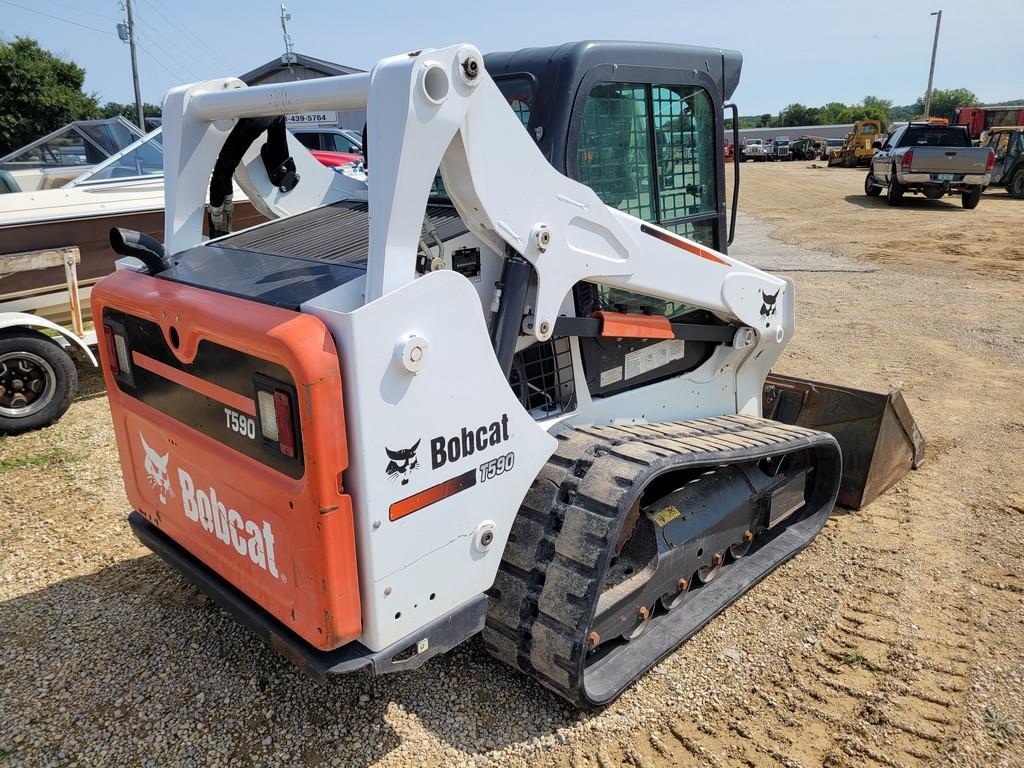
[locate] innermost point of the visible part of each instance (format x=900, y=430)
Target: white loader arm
x=426, y=112
x=440, y=108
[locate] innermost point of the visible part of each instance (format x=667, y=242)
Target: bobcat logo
x=156, y=468
x=768, y=307
x=401, y=463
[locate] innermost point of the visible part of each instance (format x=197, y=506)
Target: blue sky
x=805, y=51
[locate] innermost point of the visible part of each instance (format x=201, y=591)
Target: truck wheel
x=38, y=380
x=972, y=198
x=870, y=188
x=894, y=194
x=1016, y=185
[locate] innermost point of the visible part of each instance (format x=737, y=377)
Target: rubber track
x=542, y=598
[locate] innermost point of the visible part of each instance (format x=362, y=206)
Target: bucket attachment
x=879, y=439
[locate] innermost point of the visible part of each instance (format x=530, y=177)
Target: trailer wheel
x=38, y=380
x=1016, y=185
x=894, y=195
x=971, y=199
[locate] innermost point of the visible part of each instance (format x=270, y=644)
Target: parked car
x=328, y=139
x=335, y=159
x=932, y=160
x=1008, y=145
x=754, y=149
x=355, y=136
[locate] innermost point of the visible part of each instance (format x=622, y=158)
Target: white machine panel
x=433, y=429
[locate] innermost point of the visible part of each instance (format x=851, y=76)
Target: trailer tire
x=870, y=188
x=1016, y=185
x=971, y=199
x=894, y=194
x=38, y=380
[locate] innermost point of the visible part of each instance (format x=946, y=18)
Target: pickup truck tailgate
x=956, y=160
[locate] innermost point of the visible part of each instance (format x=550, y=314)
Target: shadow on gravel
x=911, y=202
x=135, y=661
x=90, y=380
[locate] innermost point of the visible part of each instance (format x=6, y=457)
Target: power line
x=148, y=34
x=168, y=16
x=83, y=12
x=188, y=31
x=176, y=75
x=58, y=18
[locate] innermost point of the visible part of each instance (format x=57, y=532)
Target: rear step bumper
x=440, y=636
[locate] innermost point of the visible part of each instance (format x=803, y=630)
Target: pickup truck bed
x=933, y=160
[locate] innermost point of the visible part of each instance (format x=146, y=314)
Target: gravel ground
x=895, y=639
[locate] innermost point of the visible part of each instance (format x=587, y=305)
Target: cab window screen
x=684, y=123
x=613, y=153
x=518, y=92
x=649, y=150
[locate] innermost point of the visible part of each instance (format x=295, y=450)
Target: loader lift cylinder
x=507, y=325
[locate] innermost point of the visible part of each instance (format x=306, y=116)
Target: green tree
x=39, y=92
x=798, y=114
x=766, y=120
x=113, y=109
x=903, y=112
x=874, y=102
x=832, y=113
x=945, y=102
x=872, y=108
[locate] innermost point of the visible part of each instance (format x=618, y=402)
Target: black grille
x=339, y=232
x=542, y=378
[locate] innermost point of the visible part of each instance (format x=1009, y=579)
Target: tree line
x=944, y=104
x=40, y=92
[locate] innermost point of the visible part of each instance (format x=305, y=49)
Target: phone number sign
x=313, y=118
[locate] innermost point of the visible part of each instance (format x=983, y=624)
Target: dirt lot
x=895, y=639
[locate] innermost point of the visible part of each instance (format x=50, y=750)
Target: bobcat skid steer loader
x=528, y=401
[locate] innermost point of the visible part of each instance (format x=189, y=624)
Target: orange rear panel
x=278, y=528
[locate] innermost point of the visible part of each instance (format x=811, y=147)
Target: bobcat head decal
x=156, y=468
x=768, y=307
x=402, y=462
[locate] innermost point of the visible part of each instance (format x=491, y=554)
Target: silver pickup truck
x=930, y=159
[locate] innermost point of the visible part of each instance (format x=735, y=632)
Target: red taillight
x=990, y=164
x=108, y=337
x=908, y=158
x=285, y=431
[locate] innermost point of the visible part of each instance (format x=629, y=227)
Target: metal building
x=298, y=66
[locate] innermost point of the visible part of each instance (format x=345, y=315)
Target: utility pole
x=127, y=34
x=931, y=71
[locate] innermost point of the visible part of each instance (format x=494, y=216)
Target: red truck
x=978, y=119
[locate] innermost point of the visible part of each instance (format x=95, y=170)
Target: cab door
x=880, y=162
x=649, y=141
